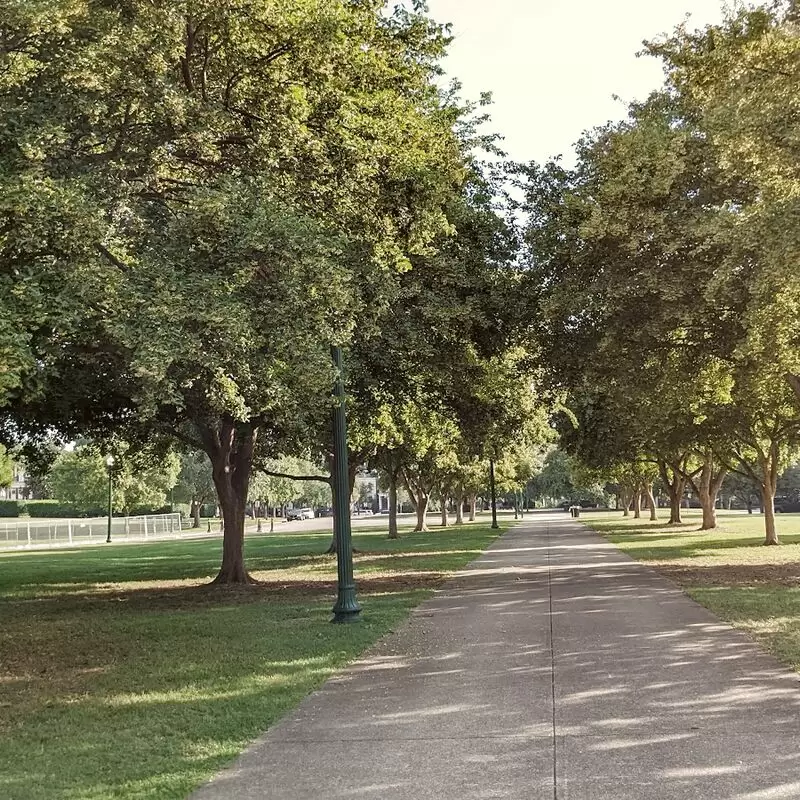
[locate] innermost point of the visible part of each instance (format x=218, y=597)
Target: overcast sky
x=553, y=66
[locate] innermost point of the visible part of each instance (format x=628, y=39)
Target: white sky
x=554, y=65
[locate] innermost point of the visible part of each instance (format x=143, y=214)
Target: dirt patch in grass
x=193, y=594
x=786, y=574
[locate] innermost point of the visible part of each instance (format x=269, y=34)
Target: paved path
x=555, y=667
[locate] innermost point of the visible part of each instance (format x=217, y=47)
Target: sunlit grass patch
x=737, y=539
x=123, y=675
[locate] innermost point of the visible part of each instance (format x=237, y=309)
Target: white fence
x=16, y=533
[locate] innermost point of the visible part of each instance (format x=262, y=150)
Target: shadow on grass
x=122, y=675
x=199, y=559
x=112, y=698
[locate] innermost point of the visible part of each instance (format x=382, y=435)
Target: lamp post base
x=347, y=609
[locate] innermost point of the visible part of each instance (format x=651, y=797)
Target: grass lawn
x=122, y=675
x=728, y=570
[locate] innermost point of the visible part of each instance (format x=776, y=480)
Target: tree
x=426, y=455
x=766, y=433
x=454, y=309
x=554, y=480
x=626, y=251
x=789, y=480
x=140, y=481
x=742, y=76
x=315, y=494
x=213, y=198
x=195, y=484
x=742, y=489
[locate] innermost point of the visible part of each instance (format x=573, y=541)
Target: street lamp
x=347, y=608
x=110, y=465
x=495, y=526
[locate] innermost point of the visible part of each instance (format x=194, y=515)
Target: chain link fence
x=17, y=533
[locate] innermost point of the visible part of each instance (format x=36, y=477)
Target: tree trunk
x=794, y=382
x=769, y=484
x=196, y=513
x=473, y=501
x=393, y=504
x=460, y=507
x=651, y=501
x=676, y=490
x=422, y=500
x=675, y=487
x=637, y=503
x=707, y=490
x=230, y=449
x=709, y=511
x=443, y=498
x=626, y=502
x=768, y=501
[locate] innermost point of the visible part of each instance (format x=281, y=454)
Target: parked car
x=787, y=505
x=300, y=513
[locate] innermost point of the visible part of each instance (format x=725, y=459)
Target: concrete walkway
x=555, y=667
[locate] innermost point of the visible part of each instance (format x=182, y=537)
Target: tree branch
x=320, y=478
x=186, y=71
x=771, y=71
x=195, y=444
x=794, y=382
x=104, y=251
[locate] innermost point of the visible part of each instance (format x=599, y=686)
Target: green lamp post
x=495, y=526
x=110, y=465
x=347, y=608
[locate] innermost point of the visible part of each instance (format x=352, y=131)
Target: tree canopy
x=197, y=209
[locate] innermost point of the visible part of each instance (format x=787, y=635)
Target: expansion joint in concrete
x=552, y=668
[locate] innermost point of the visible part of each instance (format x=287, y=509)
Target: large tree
x=204, y=197
x=625, y=258
x=741, y=76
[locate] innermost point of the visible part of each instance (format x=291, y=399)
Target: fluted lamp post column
x=495, y=526
x=347, y=608
x=110, y=465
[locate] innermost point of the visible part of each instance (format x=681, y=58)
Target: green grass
x=122, y=675
x=737, y=539
x=728, y=570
